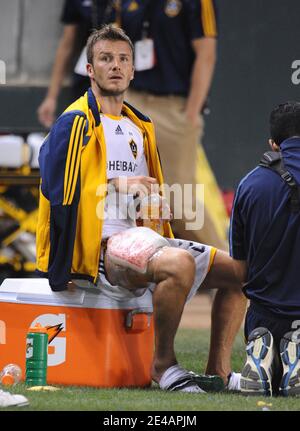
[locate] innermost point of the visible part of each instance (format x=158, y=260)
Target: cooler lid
x=38, y=291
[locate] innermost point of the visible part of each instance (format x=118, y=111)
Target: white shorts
x=202, y=253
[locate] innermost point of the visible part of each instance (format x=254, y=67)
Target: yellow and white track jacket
x=73, y=190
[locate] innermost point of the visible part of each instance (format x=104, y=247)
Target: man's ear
x=132, y=74
x=90, y=70
x=273, y=145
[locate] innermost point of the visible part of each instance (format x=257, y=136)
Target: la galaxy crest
x=172, y=8
x=133, y=148
x=133, y=6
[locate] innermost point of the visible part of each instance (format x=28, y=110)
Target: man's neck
x=111, y=105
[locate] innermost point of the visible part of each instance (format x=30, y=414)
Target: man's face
x=112, y=68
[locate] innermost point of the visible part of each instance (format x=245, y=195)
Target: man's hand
x=137, y=186
x=154, y=207
x=46, y=112
x=192, y=116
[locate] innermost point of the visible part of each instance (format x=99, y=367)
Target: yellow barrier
x=213, y=199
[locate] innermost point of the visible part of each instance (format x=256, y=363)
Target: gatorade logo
x=2, y=332
x=55, y=323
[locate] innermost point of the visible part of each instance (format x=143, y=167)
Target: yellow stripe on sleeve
x=72, y=156
x=70, y=149
x=77, y=163
x=208, y=18
x=73, y=160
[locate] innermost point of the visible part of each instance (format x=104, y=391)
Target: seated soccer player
x=100, y=156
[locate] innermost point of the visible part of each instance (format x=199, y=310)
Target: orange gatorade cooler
x=93, y=340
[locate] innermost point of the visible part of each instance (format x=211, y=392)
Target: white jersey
x=125, y=158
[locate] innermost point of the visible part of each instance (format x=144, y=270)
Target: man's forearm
x=140, y=185
x=62, y=60
x=202, y=75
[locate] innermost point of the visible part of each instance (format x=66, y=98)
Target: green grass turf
x=192, y=351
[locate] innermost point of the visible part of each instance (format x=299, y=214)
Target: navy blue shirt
x=88, y=14
x=76, y=11
x=266, y=234
x=91, y=13
x=174, y=24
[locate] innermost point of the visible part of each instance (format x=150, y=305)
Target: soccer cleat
x=290, y=357
x=209, y=383
x=176, y=378
x=10, y=400
x=257, y=373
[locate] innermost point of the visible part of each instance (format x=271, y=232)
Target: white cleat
x=9, y=400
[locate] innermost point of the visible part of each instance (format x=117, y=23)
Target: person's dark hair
x=107, y=32
x=285, y=121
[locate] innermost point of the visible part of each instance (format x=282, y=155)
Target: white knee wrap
x=134, y=247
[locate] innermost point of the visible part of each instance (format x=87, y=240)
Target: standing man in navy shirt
x=265, y=244
x=175, y=55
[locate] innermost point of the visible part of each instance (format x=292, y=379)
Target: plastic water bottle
x=36, y=356
x=151, y=213
x=10, y=375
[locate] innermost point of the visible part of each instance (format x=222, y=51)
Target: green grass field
x=192, y=349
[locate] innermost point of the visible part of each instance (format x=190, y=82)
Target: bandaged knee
x=134, y=248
